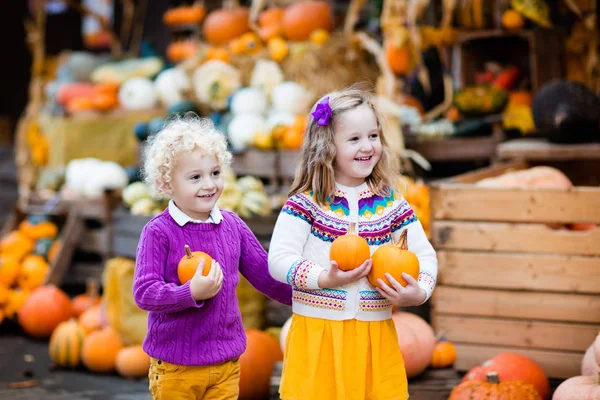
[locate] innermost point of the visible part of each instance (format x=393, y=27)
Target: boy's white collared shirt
x=182, y=218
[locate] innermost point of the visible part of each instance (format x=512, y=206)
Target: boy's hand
x=205, y=287
x=402, y=296
x=335, y=277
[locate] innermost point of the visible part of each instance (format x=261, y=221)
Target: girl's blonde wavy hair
x=182, y=134
x=316, y=169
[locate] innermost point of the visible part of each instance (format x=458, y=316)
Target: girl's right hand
x=205, y=287
x=335, y=277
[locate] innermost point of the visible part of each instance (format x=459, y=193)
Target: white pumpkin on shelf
x=138, y=94
x=249, y=101
x=291, y=97
x=255, y=203
x=172, y=85
x=279, y=118
x=214, y=81
x=250, y=184
x=230, y=197
x=266, y=75
x=242, y=128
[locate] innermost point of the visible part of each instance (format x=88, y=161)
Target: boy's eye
x=374, y=135
x=194, y=177
x=216, y=173
x=354, y=139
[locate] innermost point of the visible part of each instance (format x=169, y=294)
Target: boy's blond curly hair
x=181, y=135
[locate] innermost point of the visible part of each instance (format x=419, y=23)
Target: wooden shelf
x=465, y=36
x=542, y=150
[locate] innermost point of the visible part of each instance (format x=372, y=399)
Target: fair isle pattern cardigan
x=299, y=250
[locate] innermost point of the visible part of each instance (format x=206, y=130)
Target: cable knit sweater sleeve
x=150, y=291
x=286, y=263
x=254, y=267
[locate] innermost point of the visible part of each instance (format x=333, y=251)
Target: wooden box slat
x=514, y=237
x=517, y=304
x=517, y=333
x=537, y=272
x=556, y=364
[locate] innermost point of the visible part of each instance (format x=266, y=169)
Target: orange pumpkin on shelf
x=85, y=301
x=218, y=53
x=80, y=104
x=43, y=310
x=492, y=388
x=221, y=26
x=16, y=245
x=303, y=18
x=105, y=101
x=394, y=259
x=132, y=362
x=184, y=15
x=256, y=364
x=9, y=270
x=181, y=50
x=34, y=270
x=444, y=354
x=100, y=350
x=510, y=366
x=349, y=250
x=270, y=23
x=399, y=58
x=38, y=227
x=16, y=300
x=189, y=263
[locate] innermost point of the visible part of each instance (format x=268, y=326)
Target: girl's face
x=358, y=145
x=196, y=184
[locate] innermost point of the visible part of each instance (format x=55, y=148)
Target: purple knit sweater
x=180, y=329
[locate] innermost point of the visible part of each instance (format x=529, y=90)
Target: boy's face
x=196, y=184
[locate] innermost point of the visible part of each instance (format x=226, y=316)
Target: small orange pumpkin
x=16, y=299
x=132, y=362
x=105, y=101
x=9, y=270
x=43, y=310
x=444, y=354
x=181, y=50
x=91, y=319
x=278, y=49
x=218, y=53
x=349, y=250
x=270, y=23
x=399, y=59
x=100, y=349
x=16, y=244
x=80, y=104
x=303, y=18
x=38, y=227
x=184, y=15
x=494, y=389
x=85, y=301
x=189, y=263
x=394, y=259
x=34, y=270
x=222, y=26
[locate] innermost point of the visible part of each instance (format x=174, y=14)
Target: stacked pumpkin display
x=84, y=338
x=25, y=257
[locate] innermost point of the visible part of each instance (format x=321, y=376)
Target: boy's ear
x=166, y=187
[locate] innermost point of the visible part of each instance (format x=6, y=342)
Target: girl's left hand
x=402, y=296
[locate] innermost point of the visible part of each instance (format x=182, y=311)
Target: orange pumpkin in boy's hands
x=394, y=259
x=189, y=263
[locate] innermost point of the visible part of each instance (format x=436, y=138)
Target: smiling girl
x=195, y=332
x=342, y=342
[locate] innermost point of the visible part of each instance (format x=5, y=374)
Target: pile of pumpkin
x=26, y=254
x=417, y=195
x=229, y=32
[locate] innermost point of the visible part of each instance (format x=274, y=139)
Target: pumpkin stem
x=92, y=290
x=188, y=252
x=403, y=240
x=351, y=229
x=492, y=377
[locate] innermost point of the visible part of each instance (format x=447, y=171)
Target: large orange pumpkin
x=66, y=343
x=416, y=341
x=100, y=349
x=256, y=364
x=303, y=18
x=349, y=250
x=222, y=25
x=511, y=366
x=132, y=362
x=43, y=310
x=394, y=259
x=189, y=263
x=492, y=388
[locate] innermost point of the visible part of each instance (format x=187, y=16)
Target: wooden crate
x=509, y=282
x=70, y=228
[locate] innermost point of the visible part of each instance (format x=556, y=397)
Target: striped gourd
x=66, y=343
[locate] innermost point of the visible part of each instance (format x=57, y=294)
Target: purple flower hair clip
x=322, y=113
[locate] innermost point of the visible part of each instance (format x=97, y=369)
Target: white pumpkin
x=266, y=75
x=249, y=101
x=291, y=97
x=89, y=177
x=250, y=184
x=214, y=81
x=171, y=86
x=230, y=197
x=242, y=128
x=138, y=94
x=255, y=204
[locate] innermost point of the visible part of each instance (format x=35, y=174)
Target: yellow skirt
x=342, y=360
